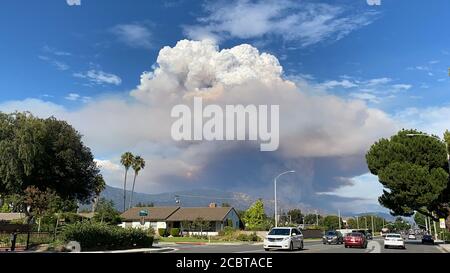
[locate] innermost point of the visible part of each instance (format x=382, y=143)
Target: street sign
x=442, y=223
x=143, y=213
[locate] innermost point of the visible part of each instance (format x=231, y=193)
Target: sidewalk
x=138, y=250
x=445, y=247
x=206, y=243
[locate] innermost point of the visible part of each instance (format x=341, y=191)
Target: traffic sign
x=143, y=213
x=442, y=223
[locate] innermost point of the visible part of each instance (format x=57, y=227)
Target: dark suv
x=333, y=237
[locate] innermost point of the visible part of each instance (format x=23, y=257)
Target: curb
x=141, y=250
x=443, y=249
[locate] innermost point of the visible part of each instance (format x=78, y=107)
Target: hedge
x=100, y=236
x=175, y=232
x=162, y=232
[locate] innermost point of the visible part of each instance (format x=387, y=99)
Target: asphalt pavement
x=374, y=246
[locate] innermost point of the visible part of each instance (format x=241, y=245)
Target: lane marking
x=375, y=247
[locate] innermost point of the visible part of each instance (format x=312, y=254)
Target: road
x=374, y=246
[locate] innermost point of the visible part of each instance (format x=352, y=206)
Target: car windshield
x=393, y=236
x=279, y=231
x=331, y=233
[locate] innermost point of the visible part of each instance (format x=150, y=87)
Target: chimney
x=213, y=205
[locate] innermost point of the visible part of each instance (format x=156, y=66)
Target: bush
x=253, y=237
x=175, y=232
x=242, y=237
x=100, y=236
x=162, y=232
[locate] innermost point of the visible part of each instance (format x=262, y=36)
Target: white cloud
x=72, y=96
x=343, y=83
x=108, y=165
x=365, y=96
x=304, y=23
x=133, y=35
x=77, y=97
x=432, y=120
x=73, y=2
x=401, y=86
x=372, y=90
x=378, y=81
x=99, y=77
x=58, y=64
x=56, y=52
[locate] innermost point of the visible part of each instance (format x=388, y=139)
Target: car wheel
x=301, y=246
x=266, y=249
x=346, y=246
x=291, y=247
x=385, y=247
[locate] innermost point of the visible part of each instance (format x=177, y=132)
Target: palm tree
x=138, y=165
x=126, y=160
x=98, y=189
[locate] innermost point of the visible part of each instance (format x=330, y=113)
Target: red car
x=355, y=239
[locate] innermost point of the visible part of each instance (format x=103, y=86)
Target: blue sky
x=65, y=56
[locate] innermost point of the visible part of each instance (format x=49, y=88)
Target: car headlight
x=286, y=238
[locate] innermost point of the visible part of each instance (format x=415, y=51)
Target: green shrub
x=162, y=232
x=253, y=237
x=175, y=232
x=198, y=236
x=242, y=237
x=100, y=236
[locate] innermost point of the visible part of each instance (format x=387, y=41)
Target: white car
x=283, y=238
x=394, y=240
x=412, y=237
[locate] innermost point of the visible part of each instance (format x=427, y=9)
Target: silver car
x=283, y=238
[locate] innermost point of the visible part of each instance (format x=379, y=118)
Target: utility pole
x=426, y=225
x=365, y=218
x=435, y=230
x=339, y=215
x=317, y=219
x=357, y=222
x=373, y=229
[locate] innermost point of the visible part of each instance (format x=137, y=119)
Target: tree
x=414, y=171
x=420, y=219
x=44, y=154
x=126, y=160
x=255, y=217
x=101, y=185
x=201, y=224
x=296, y=216
x=137, y=165
x=331, y=222
x=107, y=213
x=142, y=205
x=311, y=219
x=400, y=224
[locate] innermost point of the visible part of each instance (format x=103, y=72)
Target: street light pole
x=275, y=192
x=339, y=216
x=373, y=229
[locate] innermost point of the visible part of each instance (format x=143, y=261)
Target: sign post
x=442, y=223
x=143, y=213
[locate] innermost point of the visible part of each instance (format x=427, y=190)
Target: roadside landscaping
x=227, y=235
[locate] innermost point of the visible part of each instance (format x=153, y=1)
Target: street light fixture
x=448, y=162
x=275, y=186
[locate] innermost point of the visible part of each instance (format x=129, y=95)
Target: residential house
x=213, y=218
x=145, y=217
